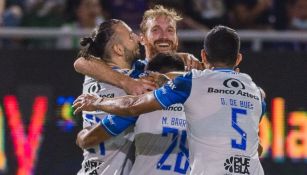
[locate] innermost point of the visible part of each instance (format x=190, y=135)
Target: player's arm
x=89, y=137
x=100, y=71
x=263, y=104
x=123, y=106
x=176, y=91
x=108, y=127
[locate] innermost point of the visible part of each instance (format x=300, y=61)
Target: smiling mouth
x=163, y=45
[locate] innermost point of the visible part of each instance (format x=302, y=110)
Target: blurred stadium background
x=39, y=43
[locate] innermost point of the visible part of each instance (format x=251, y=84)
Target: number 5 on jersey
x=234, y=124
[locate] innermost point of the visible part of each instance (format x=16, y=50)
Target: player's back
x=223, y=112
x=160, y=140
x=113, y=155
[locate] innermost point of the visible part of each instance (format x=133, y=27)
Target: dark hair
x=222, y=45
x=95, y=45
x=165, y=62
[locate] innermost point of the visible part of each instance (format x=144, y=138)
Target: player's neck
x=219, y=66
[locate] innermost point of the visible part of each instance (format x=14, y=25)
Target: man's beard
x=132, y=55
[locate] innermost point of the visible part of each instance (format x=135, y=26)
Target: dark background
x=28, y=73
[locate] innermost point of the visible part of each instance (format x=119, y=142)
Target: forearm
x=130, y=105
x=100, y=71
x=87, y=138
x=123, y=106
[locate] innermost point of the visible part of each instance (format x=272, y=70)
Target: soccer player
x=158, y=34
x=161, y=146
x=223, y=108
x=114, y=42
x=160, y=136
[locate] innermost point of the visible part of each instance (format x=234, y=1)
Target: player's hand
x=158, y=78
x=86, y=102
x=191, y=62
x=138, y=86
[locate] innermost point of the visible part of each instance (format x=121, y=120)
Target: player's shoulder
x=196, y=74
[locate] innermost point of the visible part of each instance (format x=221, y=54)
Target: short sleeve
x=175, y=91
x=115, y=125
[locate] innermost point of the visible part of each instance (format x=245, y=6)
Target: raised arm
x=100, y=71
x=123, y=106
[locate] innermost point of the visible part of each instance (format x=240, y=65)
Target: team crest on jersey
x=91, y=167
x=233, y=83
x=237, y=164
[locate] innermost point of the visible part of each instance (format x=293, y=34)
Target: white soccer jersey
x=114, y=155
x=223, y=109
x=160, y=141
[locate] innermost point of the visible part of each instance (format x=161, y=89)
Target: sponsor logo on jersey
x=237, y=164
x=236, y=87
x=94, y=88
x=232, y=92
x=174, y=108
x=91, y=167
x=233, y=83
x=111, y=95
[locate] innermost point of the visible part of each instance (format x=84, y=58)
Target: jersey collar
x=223, y=69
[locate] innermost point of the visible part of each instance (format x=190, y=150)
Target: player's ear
x=204, y=58
x=142, y=38
x=239, y=59
x=118, y=49
x=177, y=42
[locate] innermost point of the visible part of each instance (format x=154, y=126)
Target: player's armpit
x=87, y=138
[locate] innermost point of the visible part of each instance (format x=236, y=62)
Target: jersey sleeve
x=263, y=109
x=115, y=125
x=175, y=91
x=263, y=103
